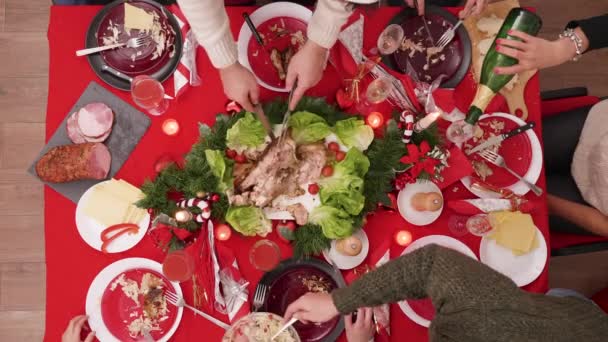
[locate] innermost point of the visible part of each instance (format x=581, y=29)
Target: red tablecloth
x=72, y=264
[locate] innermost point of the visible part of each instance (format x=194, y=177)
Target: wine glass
x=390, y=39
x=459, y=132
x=149, y=94
x=378, y=90
x=479, y=225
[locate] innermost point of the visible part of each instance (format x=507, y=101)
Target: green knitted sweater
x=474, y=302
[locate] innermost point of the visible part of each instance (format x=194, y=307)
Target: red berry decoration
x=333, y=146
x=343, y=99
x=327, y=171
x=233, y=107
x=215, y=197
x=313, y=189
x=285, y=230
x=340, y=156
x=230, y=153
x=240, y=158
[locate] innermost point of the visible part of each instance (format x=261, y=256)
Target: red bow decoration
x=162, y=234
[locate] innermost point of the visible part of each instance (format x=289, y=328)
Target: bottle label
x=483, y=97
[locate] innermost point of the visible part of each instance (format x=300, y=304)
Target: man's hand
x=306, y=67
x=72, y=332
x=240, y=85
x=312, y=307
x=363, y=329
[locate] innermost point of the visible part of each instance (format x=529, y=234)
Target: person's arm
x=592, y=31
x=583, y=216
x=446, y=276
x=210, y=24
x=326, y=22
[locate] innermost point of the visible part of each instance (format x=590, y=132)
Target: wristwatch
x=578, y=42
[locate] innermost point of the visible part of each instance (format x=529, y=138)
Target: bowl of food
x=260, y=327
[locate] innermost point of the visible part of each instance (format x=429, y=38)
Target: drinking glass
x=264, y=255
x=149, y=94
x=378, y=90
x=178, y=266
x=390, y=39
x=459, y=132
x=479, y=225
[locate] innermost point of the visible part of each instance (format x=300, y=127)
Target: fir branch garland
x=309, y=240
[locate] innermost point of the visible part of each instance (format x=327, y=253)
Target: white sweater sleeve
x=326, y=21
x=209, y=22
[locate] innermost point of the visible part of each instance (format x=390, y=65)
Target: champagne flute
x=378, y=90
x=390, y=39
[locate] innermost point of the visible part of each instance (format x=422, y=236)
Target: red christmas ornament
x=162, y=163
x=343, y=99
x=215, y=198
x=285, y=230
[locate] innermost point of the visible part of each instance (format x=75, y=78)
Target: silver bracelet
x=578, y=42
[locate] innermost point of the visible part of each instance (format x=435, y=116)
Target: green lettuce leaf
x=221, y=168
x=354, y=163
x=335, y=223
x=248, y=220
x=246, y=133
x=354, y=132
x=307, y=127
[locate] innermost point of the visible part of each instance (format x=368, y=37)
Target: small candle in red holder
x=375, y=120
x=170, y=127
x=223, y=232
x=403, y=237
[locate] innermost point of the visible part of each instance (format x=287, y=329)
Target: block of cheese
x=137, y=18
x=113, y=202
x=514, y=230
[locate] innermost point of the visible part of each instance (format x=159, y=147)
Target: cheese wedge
x=137, y=19
x=514, y=230
x=113, y=202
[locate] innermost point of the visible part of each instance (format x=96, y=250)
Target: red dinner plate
x=117, y=309
x=259, y=57
x=517, y=152
x=286, y=288
x=141, y=60
x=423, y=307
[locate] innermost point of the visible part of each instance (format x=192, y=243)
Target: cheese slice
x=113, y=202
x=514, y=230
x=137, y=19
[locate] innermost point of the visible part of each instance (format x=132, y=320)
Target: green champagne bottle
x=490, y=83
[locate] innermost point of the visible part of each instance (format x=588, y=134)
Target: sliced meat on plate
x=95, y=120
x=74, y=162
x=299, y=212
x=73, y=131
x=313, y=158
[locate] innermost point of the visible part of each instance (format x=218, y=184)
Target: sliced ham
x=73, y=131
x=74, y=162
x=95, y=120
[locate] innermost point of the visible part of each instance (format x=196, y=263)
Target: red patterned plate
x=517, y=151
x=277, y=33
x=142, y=60
x=118, y=310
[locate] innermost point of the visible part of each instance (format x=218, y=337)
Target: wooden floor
x=23, y=91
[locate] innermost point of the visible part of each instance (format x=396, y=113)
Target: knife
x=259, y=112
x=499, y=138
x=287, y=113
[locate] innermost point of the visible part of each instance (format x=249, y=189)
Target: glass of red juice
x=178, y=266
x=149, y=94
x=264, y=255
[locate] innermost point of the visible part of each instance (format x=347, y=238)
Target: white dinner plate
x=536, y=164
x=102, y=281
x=258, y=17
x=441, y=240
x=345, y=262
x=90, y=229
x=522, y=269
x=404, y=203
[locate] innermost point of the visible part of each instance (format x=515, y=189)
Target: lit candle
x=183, y=216
x=170, y=127
x=375, y=120
x=426, y=121
x=223, y=232
x=403, y=237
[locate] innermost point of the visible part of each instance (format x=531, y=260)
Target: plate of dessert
x=282, y=27
x=418, y=52
x=126, y=301
x=122, y=20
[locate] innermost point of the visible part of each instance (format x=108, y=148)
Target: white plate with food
x=103, y=208
x=260, y=326
x=349, y=252
x=422, y=311
x=127, y=297
x=420, y=203
x=282, y=26
x=522, y=269
x=522, y=153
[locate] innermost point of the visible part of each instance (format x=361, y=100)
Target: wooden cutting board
x=515, y=96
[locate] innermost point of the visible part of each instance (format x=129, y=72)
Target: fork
x=259, y=296
x=499, y=161
x=180, y=302
x=287, y=113
x=448, y=35
x=131, y=43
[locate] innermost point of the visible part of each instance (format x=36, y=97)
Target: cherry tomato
x=327, y=171
x=333, y=146
x=240, y=158
x=313, y=189
x=340, y=156
x=230, y=153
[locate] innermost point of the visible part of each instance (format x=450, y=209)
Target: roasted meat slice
x=299, y=212
x=277, y=62
x=287, y=54
x=240, y=172
x=312, y=159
